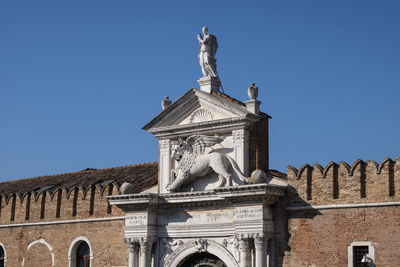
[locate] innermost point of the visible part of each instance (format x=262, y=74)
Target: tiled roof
x=278, y=174
x=142, y=176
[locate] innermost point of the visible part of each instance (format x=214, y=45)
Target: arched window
x=80, y=253
x=83, y=255
x=2, y=257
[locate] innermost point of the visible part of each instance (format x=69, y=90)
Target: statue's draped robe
x=206, y=55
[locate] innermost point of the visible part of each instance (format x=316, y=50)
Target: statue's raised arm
x=208, y=49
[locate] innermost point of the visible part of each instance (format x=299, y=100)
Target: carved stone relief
x=201, y=115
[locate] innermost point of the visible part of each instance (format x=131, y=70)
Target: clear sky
x=78, y=79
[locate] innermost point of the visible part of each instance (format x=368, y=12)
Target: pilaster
x=240, y=140
x=165, y=164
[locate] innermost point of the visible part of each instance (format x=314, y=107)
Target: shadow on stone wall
x=282, y=215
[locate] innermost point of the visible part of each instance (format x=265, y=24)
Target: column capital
x=133, y=246
x=244, y=243
x=145, y=242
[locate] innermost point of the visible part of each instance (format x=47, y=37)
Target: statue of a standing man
x=208, y=49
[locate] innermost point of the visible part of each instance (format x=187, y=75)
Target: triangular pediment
x=195, y=107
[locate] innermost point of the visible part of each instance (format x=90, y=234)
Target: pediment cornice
x=169, y=119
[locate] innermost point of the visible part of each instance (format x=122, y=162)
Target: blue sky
x=78, y=79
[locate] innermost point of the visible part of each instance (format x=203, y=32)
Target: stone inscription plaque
x=136, y=219
x=249, y=214
x=198, y=217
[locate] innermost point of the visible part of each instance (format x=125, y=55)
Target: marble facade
x=234, y=222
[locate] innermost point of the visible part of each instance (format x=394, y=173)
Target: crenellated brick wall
x=329, y=208
x=341, y=183
x=75, y=203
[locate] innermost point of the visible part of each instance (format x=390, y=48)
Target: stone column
x=133, y=254
x=145, y=252
x=245, y=256
x=260, y=251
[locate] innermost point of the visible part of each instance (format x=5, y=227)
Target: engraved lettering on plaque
x=135, y=220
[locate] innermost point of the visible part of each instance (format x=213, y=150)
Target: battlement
x=362, y=182
x=70, y=196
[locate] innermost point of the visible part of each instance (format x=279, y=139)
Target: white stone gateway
x=206, y=211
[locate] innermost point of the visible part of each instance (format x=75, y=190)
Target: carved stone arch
x=292, y=169
x=188, y=249
x=302, y=169
x=22, y=196
x=53, y=193
x=5, y=253
x=73, y=248
x=36, y=196
x=380, y=167
x=330, y=165
x=316, y=166
x=354, y=166
x=9, y=197
x=44, y=242
x=84, y=191
x=373, y=163
x=346, y=166
x=69, y=191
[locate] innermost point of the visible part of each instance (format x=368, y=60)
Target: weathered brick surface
x=259, y=146
x=105, y=239
x=322, y=237
x=363, y=182
x=319, y=236
x=106, y=236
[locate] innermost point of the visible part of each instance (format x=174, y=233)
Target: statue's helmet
x=204, y=29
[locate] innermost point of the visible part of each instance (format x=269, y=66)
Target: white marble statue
x=193, y=163
x=208, y=49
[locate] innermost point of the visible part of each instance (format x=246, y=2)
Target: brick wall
x=104, y=236
x=320, y=234
x=259, y=147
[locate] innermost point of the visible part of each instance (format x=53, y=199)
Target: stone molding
x=197, y=198
x=344, y=206
x=63, y=222
x=72, y=250
x=214, y=126
x=192, y=100
x=44, y=242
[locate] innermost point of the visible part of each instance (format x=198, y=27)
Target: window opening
x=2, y=256
x=83, y=255
x=358, y=253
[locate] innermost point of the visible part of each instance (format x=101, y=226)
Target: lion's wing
x=198, y=143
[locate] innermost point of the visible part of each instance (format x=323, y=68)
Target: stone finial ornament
x=253, y=105
x=165, y=103
x=252, y=91
x=127, y=188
